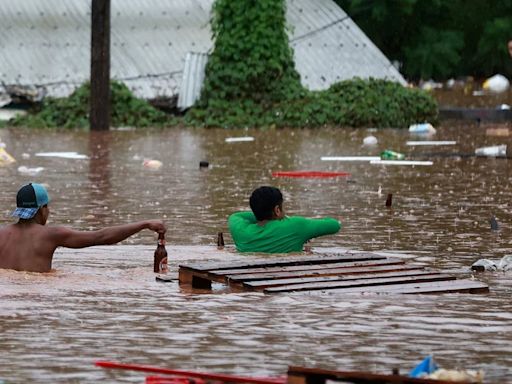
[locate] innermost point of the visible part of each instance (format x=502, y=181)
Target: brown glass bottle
x=160, y=264
x=220, y=240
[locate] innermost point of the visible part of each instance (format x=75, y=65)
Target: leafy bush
x=73, y=111
x=251, y=81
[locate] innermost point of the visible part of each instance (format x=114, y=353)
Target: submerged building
x=159, y=48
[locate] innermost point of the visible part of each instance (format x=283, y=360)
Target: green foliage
x=465, y=37
x=436, y=54
x=251, y=81
x=492, y=54
x=350, y=103
x=73, y=111
x=252, y=58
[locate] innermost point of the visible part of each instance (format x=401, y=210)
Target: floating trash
x=5, y=157
x=309, y=174
x=391, y=155
x=30, y=171
x=349, y=158
x=493, y=151
x=484, y=265
x=496, y=84
x=424, y=128
x=415, y=143
x=500, y=132
x=481, y=265
x=401, y=162
x=63, y=155
x=238, y=139
x=370, y=140
x=152, y=164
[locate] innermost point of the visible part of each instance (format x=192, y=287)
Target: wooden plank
x=383, y=266
x=198, y=279
x=407, y=271
x=300, y=375
x=380, y=282
x=463, y=285
x=274, y=260
x=307, y=267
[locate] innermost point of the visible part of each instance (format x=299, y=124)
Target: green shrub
x=251, y=81
x=73, y=111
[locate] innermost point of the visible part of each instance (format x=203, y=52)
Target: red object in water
x=188, y=374
x=309, y=174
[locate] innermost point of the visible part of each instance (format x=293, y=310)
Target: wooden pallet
x=301, y=375
x=337, y=273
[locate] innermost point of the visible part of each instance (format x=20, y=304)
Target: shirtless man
x=29, y=244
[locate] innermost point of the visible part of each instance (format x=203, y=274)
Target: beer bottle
x=160, y=264
x=220, y=240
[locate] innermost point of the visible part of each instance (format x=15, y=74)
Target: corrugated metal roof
x=193, y=77
x=47, y=42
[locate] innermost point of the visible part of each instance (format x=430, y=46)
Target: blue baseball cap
x=29, y=199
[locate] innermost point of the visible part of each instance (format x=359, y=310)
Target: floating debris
x=424, y=128
x=496, y=84
x=152, y=164
x=493, y=151
x=370, y=140
x=64, y=155
x=447, y=142
x=309, y=174
x=500, y=132
x=30, y=171
x=349, y=158
x=5, y=157
x=238, y=139
x=401, y=162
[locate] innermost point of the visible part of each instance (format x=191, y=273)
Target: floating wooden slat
x=402, y=280
x=380, y=265
x=278, y=261
x=341, y=273
x=405, y=271
x=462, y=285
x=301, y=375
x=307, y=267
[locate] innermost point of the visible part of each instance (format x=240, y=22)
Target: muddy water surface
x=106, y=305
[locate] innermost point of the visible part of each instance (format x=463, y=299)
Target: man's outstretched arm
x=69, y=238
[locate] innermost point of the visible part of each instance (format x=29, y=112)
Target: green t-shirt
x=277, y=236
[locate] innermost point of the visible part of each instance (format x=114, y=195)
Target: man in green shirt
x=267, y=229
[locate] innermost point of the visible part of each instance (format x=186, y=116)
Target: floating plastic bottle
x=424, y=128
x=493, y=151
x=391, y=155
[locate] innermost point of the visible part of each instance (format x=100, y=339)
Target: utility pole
x=99, y=117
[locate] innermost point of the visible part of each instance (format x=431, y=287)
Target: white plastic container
x=493, y=151
x=424, y=128
x=370, y=140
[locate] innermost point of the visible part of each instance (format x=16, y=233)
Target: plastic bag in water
x=426, y=367
x=484, y=265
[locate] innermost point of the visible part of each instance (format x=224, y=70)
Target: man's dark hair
x=263, y=200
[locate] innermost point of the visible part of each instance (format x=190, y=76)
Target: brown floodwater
x=102, y=305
